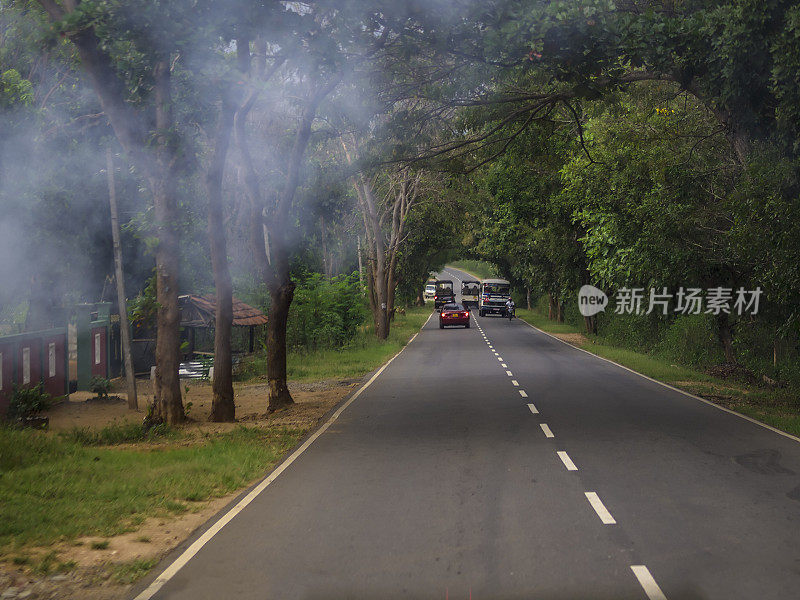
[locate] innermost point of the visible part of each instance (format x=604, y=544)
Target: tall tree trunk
x=528, y=297
x=222, y=403
x=551, y=306
x=280, y=301
x=168, y=406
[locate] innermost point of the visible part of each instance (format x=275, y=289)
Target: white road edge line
x=565, y=459
x=670, y=387
x=600, y=508
x=546, y=430
x=533, y=408
x=648, y=583
x=515, y=383
x=523, y=393
x=192, y=550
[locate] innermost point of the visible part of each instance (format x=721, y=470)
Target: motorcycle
x=510, y=312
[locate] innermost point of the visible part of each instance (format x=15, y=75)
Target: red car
x=453, y=314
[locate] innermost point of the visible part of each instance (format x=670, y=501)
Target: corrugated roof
x=243, y=314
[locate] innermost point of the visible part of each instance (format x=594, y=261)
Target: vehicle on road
x=430, y=291
x=494, y=295
x=444, y=293
x=454, y=314
x=470, y=291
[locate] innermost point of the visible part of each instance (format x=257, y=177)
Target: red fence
x=28, y=359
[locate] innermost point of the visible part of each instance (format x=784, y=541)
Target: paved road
x=496, y=462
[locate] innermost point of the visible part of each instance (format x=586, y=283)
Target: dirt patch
x=98, y=568
x=734, y=372
x=576, y=339
x=312, y=401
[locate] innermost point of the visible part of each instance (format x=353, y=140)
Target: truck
x=444, y=293
x=493, y=297
x=470, y=292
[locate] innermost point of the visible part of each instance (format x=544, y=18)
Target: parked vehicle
x=494, y=294
x=430, y=291
x=454, y=314
x=444, y=293
x=470, y=291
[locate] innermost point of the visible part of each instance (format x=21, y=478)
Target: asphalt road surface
x=498, y=463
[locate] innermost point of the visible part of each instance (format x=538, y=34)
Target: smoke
x=55, y=240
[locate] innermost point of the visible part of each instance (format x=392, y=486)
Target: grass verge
x=61, y=487
x=363, y=354
x=776, y=407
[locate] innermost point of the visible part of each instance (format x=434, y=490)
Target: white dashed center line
x=567, y=461
x=523, y=393
x=509, y=373
x=648, y=583
x=546, y=430
x=504, y=365
x=534, y=410
x=599, y=508
x=499, y=358
x=515, y=383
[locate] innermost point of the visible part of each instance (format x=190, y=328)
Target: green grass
x=477, y=268
x=776, y=407
x=119, y=433
x=363, y=354
x=54, y=488
x=538, y=320
x=132, y=571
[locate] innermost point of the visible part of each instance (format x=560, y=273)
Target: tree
x=147, y=132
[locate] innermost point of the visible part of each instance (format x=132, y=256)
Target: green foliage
x=691, y=340
x=100, y=386
x=325, y=313
x=143, y=308
x=27, y=402
x=14, y=90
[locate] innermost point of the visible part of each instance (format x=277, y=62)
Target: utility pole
x=130, y=377
x=360, y=268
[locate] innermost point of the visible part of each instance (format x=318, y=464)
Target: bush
x=27, y=403
x=325, y=313
x=100, y=386
x=691, y=340
x=634, y=332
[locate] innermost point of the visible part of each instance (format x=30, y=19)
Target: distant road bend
x=498, y=463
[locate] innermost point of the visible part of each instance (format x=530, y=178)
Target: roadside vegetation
x=60, y=487
x=363, y=352
x=669, y=362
